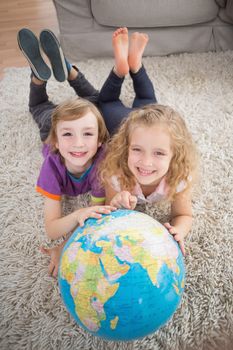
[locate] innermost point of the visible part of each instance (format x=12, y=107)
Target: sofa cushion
x=226, y=14
x=221, y=3
x=153, y=13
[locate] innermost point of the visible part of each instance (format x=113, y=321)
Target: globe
x=121, y=277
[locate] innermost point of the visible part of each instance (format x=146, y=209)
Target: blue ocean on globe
x=121, y=277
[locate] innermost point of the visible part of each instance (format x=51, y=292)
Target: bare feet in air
x=120, y=43
x=138, y=42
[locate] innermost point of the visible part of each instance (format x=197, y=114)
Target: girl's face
x=150, y=154
x=77, y=142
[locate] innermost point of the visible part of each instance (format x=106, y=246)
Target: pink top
x=159, y=193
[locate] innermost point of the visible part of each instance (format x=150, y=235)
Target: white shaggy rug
x=32, y=315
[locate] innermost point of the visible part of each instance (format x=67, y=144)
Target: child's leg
x=63, y=70
x=81, y=85
x=143, y=87
x=112, y=108
x=111, y=89
x=113, y=113
x=40, y=107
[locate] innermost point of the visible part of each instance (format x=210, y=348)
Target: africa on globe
x=121, y=277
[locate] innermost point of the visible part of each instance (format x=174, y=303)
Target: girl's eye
x=136, y=149
x=88, y=134
x=67, y=134
x=159, y=153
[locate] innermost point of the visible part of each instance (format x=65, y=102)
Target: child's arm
x=122, y=199
x=181, y=217
x=57, y=226
x=54, y=254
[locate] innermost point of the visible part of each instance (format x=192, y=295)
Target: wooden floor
x=16, y=14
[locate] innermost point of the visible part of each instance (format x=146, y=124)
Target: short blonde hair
x=72, y=109
x=184, y=159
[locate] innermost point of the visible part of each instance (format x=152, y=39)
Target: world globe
x=121, y=277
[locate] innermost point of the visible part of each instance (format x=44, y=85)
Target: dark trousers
x=112, y=108
x=107, y=100
x=41, y=108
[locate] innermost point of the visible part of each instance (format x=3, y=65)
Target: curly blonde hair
x=184, y=160
x=72, y=109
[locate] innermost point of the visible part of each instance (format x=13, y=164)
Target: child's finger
x=110, y=207
x=55, y=271
x=172, y=231
x=51, y=268
x=45, y=250
x=181, y=243
x=95, y=215
x=127, y=201
x=167, y=225
x=81, y=222
x=176, y=237
x=133, y=201
x=104, y=210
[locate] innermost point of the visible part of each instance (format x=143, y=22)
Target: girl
x=152, y=158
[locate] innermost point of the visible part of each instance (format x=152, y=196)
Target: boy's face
x=149, y=154
x=77, y=142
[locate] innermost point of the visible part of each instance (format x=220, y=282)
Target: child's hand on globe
x=124, y=199
x=54, y=254
x=81, y=215
x=178, y=236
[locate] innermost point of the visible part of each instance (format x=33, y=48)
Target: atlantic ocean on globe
x=121, y=277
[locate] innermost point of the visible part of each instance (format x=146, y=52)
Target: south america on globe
x=121, y=277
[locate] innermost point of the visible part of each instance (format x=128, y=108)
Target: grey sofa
x=174, y=26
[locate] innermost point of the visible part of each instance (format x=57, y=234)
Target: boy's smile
x=149, y=154
x=77, y=142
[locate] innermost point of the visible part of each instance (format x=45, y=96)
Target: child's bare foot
x=54, y=254
x=120, y=42
x=138, y=42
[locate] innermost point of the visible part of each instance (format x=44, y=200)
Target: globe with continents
x=121, y=277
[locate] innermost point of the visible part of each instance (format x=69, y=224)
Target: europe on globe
x=121, y=277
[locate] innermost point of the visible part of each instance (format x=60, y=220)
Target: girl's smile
x=149, y=154
x=144, y=172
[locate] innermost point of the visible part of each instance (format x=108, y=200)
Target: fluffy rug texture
x=32, y=313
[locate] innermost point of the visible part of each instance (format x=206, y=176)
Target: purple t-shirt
x=55, y=180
